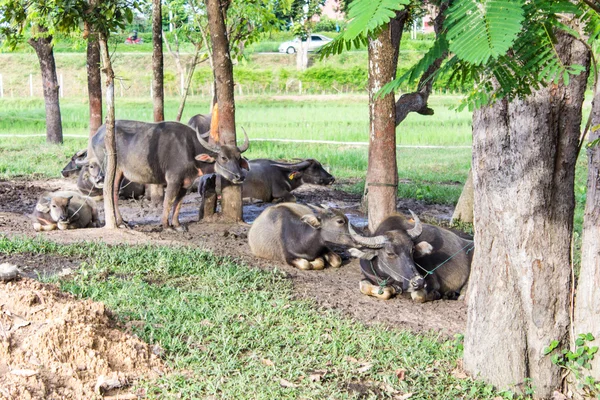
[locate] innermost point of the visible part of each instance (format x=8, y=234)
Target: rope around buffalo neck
x=448, y=259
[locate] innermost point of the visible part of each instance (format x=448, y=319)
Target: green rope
x=448, y=259
x=381, y=283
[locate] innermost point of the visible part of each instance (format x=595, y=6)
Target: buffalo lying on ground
x=64, y=210
x=268, y=180
x=171, y=154
x=90, y=180
x=401, y=254
x=299, y=234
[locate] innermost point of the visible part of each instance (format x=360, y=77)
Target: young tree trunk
x=302, y=55
x=109, y=140
x=43, y=49
x=524, y=154
x=381, y=185
x=188, y=82
x=587, y=303
x=231, y=197
x=94, y=84
x=157, y=62
x=464, y=208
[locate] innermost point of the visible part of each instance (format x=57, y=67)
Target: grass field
x=227, y=328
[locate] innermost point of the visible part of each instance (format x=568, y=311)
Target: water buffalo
x=299, y=234
x=64, y=210
x=90, y=180
x=401, y=254
x=200, y=122
x=268, y=180
x=171, y=154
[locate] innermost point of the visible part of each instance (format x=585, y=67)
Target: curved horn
x=81, y=163
x=212, y=147
x=415, y=231
x=375, y=242
x=293, y=167
x=246, y=142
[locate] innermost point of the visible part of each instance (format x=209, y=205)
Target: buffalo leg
x=422, y=296
x=177, y=207
x=157, y=194
x=47, y=227
x=117, y=185
x=318, y=263
x=333, y=259
x=170, y=195
x=301, y=263
x=383, y=293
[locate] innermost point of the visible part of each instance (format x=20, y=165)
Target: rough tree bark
x=94, y=83
x=157, y=62
x=381, y=186
x=464, y=208
x=302, y=55
x=587, y=302
x=524, y=155
x=231, y=197
x=44, y=49
x=109, y=141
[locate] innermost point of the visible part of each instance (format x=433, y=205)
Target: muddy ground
x=330, y=288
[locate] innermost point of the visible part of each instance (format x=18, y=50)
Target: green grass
x=220, y=321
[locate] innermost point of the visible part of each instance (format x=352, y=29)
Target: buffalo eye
x=340, y=221
x=53, y=206
x=223, y=158
x=390, y=254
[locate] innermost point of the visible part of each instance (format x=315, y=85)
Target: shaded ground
x=331, y=288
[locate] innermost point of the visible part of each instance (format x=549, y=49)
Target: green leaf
x=589, y=337
x=367, y=15
x=579, y=342
x=480, y=30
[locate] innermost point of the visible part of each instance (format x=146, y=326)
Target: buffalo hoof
x=63, y=226
x=37, y=226
x=181, y=228
x=318, y=263
x=333, y=259
x=302, y=264
x=369, y=289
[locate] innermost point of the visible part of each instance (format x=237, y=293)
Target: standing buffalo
x=268, y=180
x=403, y=253
x=298, y=235
x=171, y=154
x=64, y=210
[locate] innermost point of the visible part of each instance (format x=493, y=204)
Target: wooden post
x=30, y=85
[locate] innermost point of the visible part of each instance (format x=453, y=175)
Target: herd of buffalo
x=402, y=256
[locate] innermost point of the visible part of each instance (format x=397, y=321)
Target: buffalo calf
x=64, y=210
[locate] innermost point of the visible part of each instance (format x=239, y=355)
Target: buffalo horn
x=246, y=142
x=81, y=163
x=215, y=148
x=415, y=231
x=375, y=242
x=293, y=167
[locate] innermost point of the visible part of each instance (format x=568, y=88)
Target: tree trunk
x=188, y=82
x=231, y=197
x=109, y=140
x=157, y=62
x=43, y=49
x=464, y=208
x=382, y=174
x=587, y=303
x=94, y=84
x=524, y=155
x=302, y=55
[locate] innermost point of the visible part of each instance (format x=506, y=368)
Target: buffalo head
x=76, y=163
x=309, y=171
x=92, y=172
x=391, y=253
x=229, y=162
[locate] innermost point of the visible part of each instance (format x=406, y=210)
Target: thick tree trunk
x=524, y=156
x=43, y=49
x=231, y=197
x=94, y=84
x=464, y=208
x=157, y=62
x=109, y=140
x=587, y=303
x=381, y=185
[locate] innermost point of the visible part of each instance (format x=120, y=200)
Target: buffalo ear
x=43, y=207
x=244, y=164
x=204, y=158
x=423, y=249
x=368, y=255
x=311, y=220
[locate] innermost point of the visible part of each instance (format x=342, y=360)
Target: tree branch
x=592, y=5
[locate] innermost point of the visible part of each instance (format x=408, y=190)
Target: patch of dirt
x=330, y=288
x=53, y=346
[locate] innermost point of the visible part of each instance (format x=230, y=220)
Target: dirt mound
x=53, y=346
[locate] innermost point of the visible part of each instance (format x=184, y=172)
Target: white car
x=316, y=42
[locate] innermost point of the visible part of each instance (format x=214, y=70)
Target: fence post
x=182, y=80
x=151, y=96
x=299, y=87
x=60, y=87
x=1, y=87
x=240, y=89
x=30, y=85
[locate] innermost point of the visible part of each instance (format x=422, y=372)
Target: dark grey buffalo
x=268, y=180
x=200, y=122
x=299, y=235
x=90, y=180
x=403, y=253
x=171, y=154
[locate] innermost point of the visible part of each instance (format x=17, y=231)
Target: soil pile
x=53, y=346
